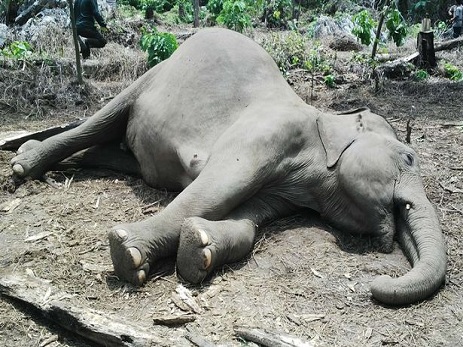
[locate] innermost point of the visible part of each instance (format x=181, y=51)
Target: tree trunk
x=76, y=42
x=196, y=13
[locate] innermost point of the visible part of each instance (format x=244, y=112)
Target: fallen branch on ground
x=82, y=320
x=269, y=339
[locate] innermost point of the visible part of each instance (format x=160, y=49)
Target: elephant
x=218, y=123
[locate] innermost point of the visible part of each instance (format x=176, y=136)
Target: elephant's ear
x=338, y=132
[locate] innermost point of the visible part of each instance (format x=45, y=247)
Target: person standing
x=86, y=12
x=457, y=19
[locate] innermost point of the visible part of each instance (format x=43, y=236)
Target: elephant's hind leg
x=108, y=156
x=206, y=245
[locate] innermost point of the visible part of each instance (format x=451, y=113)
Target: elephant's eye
x=409, y=160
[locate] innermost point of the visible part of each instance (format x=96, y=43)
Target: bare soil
x=303, y=278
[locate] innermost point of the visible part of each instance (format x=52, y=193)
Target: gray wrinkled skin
x=219, y=123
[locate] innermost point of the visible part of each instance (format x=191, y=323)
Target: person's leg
x=456, y=32
x=93, y=39
x=84, y=49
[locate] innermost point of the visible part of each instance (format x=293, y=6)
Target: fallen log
x=90, y=324
x=12, y=143
x=450, y=44
x=398, y=68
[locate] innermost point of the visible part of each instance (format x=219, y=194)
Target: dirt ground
x=303, y=278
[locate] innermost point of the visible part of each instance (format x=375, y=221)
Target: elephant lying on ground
x=219, y=122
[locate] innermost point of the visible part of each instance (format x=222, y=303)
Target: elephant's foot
x=29, y=161
x=206, y=245
x=134, y=251
x=130, y=263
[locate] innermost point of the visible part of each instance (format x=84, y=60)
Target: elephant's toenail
x=204, y=237
x=136, y=256
x=207, y=258
x=18, y=169
x=121, y=233
x=141, y=277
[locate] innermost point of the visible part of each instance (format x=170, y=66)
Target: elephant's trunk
x=420, y=236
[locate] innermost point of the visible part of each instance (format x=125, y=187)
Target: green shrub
x=215, y=7
x=363, y=26
x=329, y=81
x=396, y=26
x=421, y=75
x=290, y=51
x=234, y=15
x=159, y=45
x=17, y=50
x=277, y=13
x=452, y=72
x=287, y=49
x=160, y=6
x=316, y=61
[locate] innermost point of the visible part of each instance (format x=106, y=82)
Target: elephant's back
x=207, y=83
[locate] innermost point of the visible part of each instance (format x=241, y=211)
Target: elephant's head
x=379, y=191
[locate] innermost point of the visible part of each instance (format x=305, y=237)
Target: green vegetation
x=160, y=6
x=234, y=15
x=17, y=50
x=287, y=49
x=396, y=26
x=159, y=45
x=363, y=26
x=329, y=81
x=452, y=72
x=421, y=75
x=291, y=49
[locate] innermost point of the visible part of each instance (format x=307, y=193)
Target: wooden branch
x=197, y=340
x=13, y=143
x=438, y=46
x=93, y=325
x=450, y=189
x=268, y=339
x=172, y=320
x=409, y=132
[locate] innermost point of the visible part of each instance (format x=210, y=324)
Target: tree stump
x=427, y=57
x=425, y=43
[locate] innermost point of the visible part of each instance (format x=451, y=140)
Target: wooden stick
x=93, y=325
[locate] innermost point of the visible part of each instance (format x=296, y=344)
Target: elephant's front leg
x=136, y=247
x=230, y=178
x=206, y=245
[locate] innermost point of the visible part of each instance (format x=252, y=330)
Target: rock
x=3, y=34
x=345, y=43
x=328, y=27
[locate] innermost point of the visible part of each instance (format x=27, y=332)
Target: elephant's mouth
x=404, y=232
